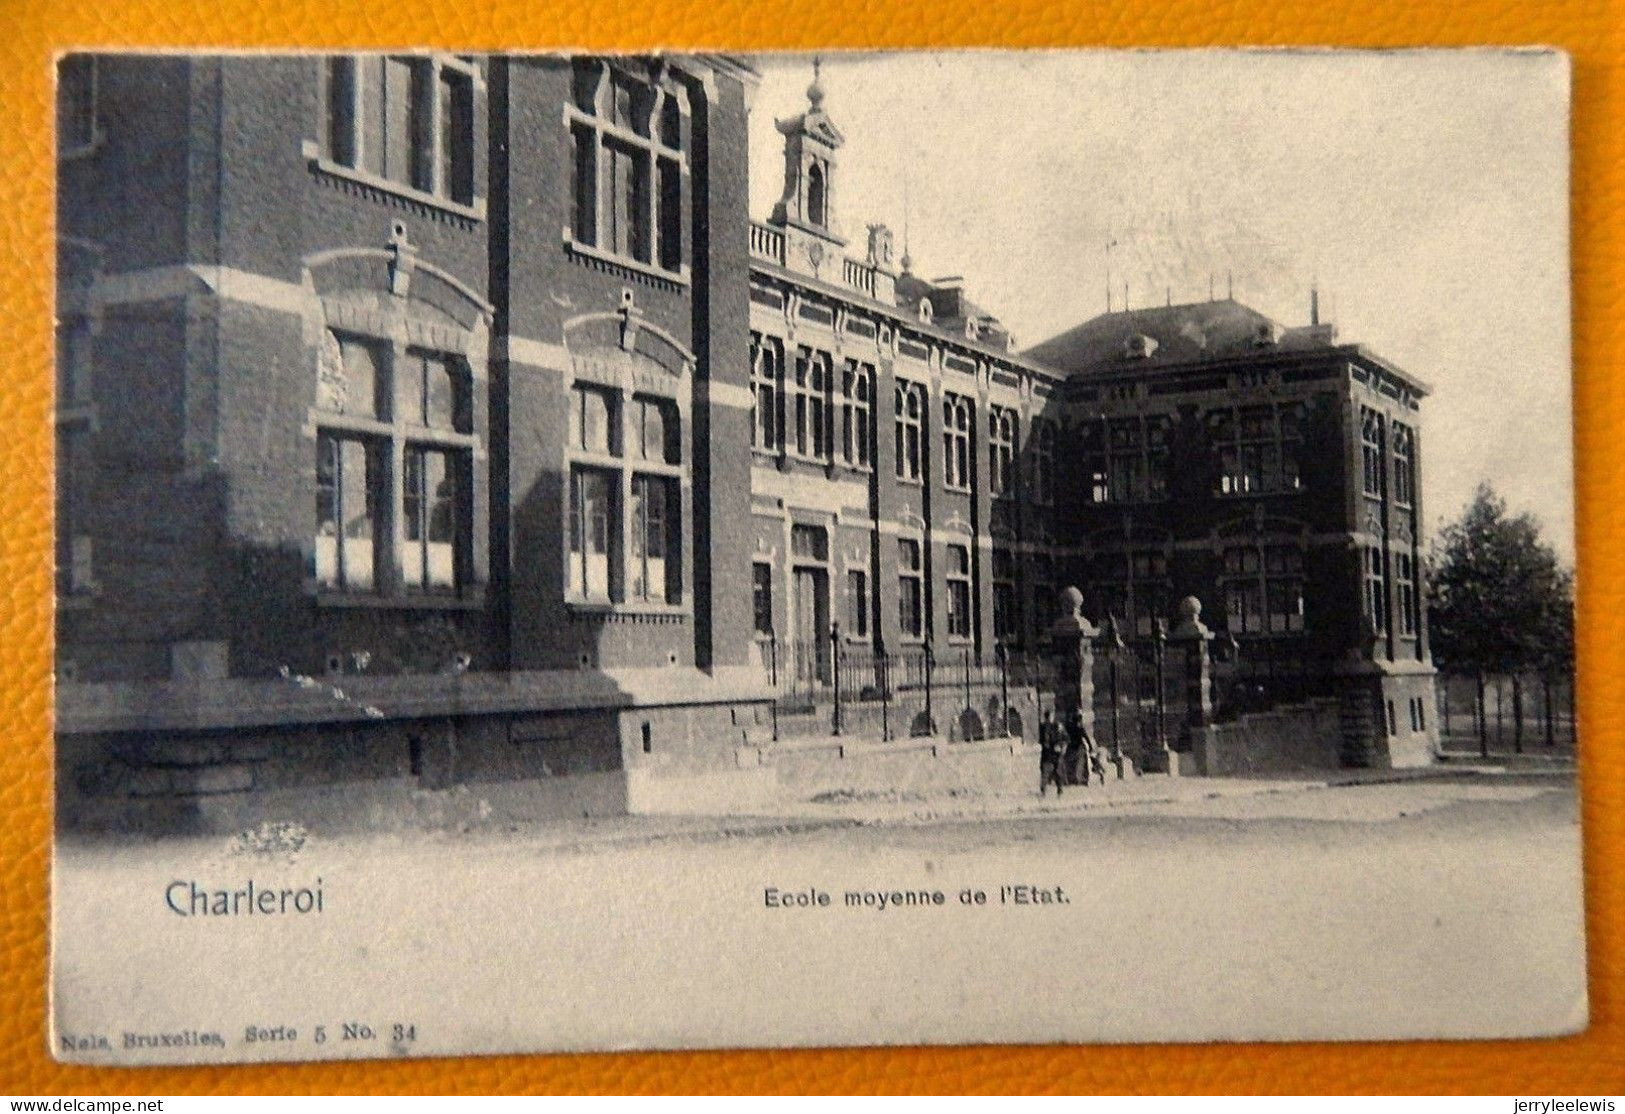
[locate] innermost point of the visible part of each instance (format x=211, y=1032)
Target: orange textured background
x=1593, y=32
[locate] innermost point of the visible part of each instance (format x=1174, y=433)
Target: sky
x=1425, y=193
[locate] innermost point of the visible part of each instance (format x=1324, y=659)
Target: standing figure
x=1082, y=753
x=1052, y=747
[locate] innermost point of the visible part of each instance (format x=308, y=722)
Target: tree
x=1499, y=601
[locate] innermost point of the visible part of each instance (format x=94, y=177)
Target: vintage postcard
x=566, y=552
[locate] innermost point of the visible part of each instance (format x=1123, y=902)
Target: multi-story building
x=923, y=485
x=399, y=400
x=1272, y=473
x=446, y=418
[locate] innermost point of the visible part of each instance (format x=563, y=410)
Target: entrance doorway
x=810, y=625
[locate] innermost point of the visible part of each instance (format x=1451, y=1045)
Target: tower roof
x=1190, y=331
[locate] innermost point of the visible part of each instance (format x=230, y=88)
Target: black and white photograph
x=566, y=552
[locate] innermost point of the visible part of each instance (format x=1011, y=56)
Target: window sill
x=1243, y=494
x=956, y=489
x=908, y=481
x=608, y=609
x=679, y=277
x=325, y=166
x=471, y=600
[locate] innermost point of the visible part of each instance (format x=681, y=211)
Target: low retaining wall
x=924, y=766
x=1301, y=737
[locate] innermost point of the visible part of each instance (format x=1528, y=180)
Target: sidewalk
x=843, y=810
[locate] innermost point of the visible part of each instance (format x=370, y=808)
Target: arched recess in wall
x=398, y=418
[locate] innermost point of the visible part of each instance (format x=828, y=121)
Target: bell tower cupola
x=810, y=143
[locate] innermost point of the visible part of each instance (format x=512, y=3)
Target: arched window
x=910, y=413
x=855, y=410
x=817, y=196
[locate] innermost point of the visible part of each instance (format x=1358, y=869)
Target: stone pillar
x=1071, y=639
x=1188, y=642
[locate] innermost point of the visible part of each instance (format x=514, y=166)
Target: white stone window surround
x=601, y=122
x=624, y=386
x=320, y=160
x=398, y=326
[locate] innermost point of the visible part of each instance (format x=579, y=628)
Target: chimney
x=1314, y=305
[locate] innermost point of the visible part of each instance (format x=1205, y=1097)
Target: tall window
x=1376, y=590
x=406, y=119
x=626, y=453
x=761, y=596
x=1264, y=589
x=75, y=103
x=857, y=603
x=421, y=398
x=857, y=394
x=428, y=545
x=1404, y=465
x=1002, y=450
x=817, y=196
x=910, y=410
x=956, y=439
x=1127, y=459
x=959, y=605
x=653, y=561
x=592, y=512
x=1259, y=448
x=1043, y=446
x=1006, y=598
x=766, y=374
x=910, y=588
x=1405, y=589
x=807, y=406
x=1371, y=453
x=630, y=139
x=349, y=488
x=1134, y=588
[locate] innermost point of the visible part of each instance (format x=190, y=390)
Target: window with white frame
x=386, y=409
x=625, y=456
x=405, y=119
x=857, y=406
x=766, y=378
x=956, y=442
x=1405, y=589
x=808, y=408
x=1133, y=587
x=1376, y=589
x=1263, y=588
x=1373, y=472
x=1404, y=465
x=630, y=137
x=761, y=597
x=857, y=603
x=76, y=91
x=910, y=588
x=958, y=578
x=909, y=401
x=1003, y=425
x=1126, y=458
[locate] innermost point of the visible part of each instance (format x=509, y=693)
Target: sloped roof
x=1192, y=331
